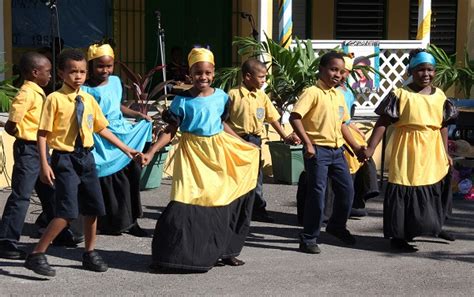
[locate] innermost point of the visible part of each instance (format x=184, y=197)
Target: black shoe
x=309, y=248
x=358, y=212
x=342, y=234
x=8, y=250
x=233, y=261
x=39, y=264
x=446, y=236
x=137, y=231
x=67, y=238
x=93, y=261
x=402, y=245
x=261, y=215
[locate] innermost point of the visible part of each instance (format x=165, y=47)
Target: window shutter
x=443, y=23
x=360, y=19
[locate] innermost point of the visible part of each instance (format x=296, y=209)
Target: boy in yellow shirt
x=68, y=119
x=23, y=123
x=319, y=119
x=249, y=108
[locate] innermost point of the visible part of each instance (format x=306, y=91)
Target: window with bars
x=360, y=19
x=443, y=23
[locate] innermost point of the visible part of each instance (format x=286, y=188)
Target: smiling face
x=202, y=75
x=423, y=75
x=331, y=73
x=74, y=73
x=102, y=68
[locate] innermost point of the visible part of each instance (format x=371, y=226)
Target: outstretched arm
x=346, y=133
x=380, y=126
x=165, y=137
x=291, y=138
x=115, y=141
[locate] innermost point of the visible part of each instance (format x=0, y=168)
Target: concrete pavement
x=273, y=264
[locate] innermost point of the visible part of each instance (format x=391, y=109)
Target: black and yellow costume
x=418, y=196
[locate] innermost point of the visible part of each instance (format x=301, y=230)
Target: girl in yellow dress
x=418, y=195
x=209, y=214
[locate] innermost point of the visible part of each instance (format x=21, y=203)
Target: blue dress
x=119, y=176
x=108, y=158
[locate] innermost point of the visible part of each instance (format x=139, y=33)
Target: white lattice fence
x=393, y=59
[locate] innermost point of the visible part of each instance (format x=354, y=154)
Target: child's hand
x=292, y=139
x=47, y=175
x=365, y=153
x=450, y=161
x=310, y=152
x=146, y=159
x=144, y=117
x=131, y=153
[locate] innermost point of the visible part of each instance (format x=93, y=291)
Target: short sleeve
x=271, y=113
x=100, y=122
x=450, y=113
x=175, y=113
x=390, y=106
x=169, y=117
x=20, y=105
x=47, y=115
x=304, y=103
x=226, y=114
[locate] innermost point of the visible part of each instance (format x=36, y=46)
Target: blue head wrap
x=420, y=58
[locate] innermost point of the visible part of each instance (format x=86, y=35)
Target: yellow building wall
x=322, y=23
x=398, y=19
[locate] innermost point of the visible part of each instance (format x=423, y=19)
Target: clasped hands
x=364, y=153
x=292, y=139
x=142, y=159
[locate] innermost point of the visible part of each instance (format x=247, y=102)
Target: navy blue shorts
x=77, y=184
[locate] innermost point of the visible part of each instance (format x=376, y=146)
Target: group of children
x=217, y=177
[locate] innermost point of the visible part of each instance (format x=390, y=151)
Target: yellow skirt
x=213, y=170
x=352, y=161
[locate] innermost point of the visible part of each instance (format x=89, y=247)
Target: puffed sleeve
x=450, y=113
x=390, y=106
x=225, y=115
x=173, y=114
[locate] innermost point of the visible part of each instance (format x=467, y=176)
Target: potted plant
x=7, y=91
x=144, y=94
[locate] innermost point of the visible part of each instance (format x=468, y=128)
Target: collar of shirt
x=35, y=87
x=324, y=87
x=71, y=93
x=246, y=92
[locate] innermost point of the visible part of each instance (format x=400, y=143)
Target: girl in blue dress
x=119, y=177
x=209, y=214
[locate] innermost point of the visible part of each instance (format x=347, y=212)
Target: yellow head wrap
x=200, y=55
x=349, y=63
x=96, y=51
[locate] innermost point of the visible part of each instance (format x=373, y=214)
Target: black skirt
x=411, y=211
x=123, y=206
x=192, y=238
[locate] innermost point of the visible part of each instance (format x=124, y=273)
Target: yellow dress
x=418, y=195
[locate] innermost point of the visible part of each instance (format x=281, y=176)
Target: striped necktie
x=79, y=114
